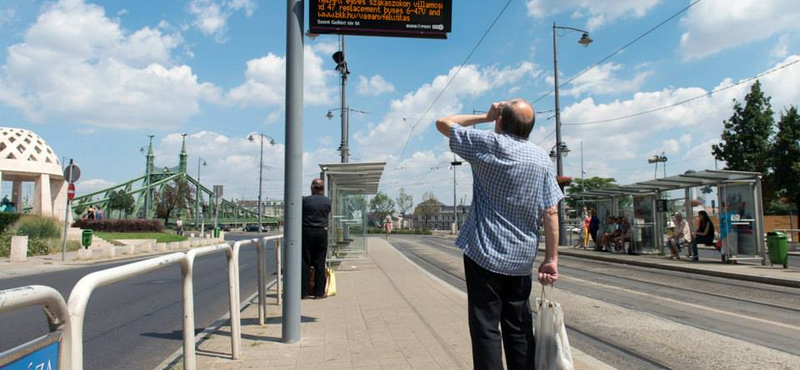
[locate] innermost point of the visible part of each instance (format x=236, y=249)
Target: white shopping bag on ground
x=552, y=345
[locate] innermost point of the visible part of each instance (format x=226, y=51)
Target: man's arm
x=548, y=270
x=445, y=123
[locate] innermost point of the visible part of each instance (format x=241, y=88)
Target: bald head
x=317, y=186
x=517, y=118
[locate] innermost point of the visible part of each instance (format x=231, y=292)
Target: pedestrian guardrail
x=66, y=319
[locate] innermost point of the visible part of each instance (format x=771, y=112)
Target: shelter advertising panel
x=417, y=18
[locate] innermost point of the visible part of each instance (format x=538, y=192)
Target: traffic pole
x=66, y=215
x=293, y=169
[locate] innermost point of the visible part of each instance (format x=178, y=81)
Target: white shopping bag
x=552, y=345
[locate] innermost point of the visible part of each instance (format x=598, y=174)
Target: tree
x=173, y=197
x=745, y=142
x=594, y=183
x=786, y=157
x=381, y=205
x=429, y=207
x=121, y=201
x=405, y=201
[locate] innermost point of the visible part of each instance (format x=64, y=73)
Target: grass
x=159, y=237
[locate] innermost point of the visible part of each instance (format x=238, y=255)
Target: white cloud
x=265, y=81
x=599, y=12
x=211, y=17
x=91, y=185
x=374, y=86
x=7, y=15
x=77, y=64
x=388, y=137
x=601, y=81
x=715, y=25
x=781, y=48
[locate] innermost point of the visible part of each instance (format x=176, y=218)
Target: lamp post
x=260, y=172
x=341, y=67
x=585, y=41
x=656, y=160
x=454, y=164
x=148, y=170
x=200, y=161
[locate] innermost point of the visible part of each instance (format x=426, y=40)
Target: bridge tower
x=182, y=164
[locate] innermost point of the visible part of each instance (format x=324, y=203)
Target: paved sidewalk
x=754, y=272
x=388, y=314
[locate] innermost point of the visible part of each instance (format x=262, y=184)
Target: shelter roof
x=677, y=182
x=355, y=178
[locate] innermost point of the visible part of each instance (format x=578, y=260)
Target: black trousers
x=499, y=300
x=315, y=248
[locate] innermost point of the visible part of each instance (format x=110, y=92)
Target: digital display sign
x=398, y=18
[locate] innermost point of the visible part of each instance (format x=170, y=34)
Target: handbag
x=330, y=282
x=553, y=351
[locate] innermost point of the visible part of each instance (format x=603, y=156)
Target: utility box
x=86, y=238
x=778, y=248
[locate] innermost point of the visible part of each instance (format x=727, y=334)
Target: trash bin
x=86, y=238
x=216, y=232
x=778, y=248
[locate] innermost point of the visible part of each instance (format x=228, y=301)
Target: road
x=136, y=323
x=640, y=318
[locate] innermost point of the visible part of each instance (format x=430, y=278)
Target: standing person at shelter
x=594, y=227
x=514, y=192
x=316, y=209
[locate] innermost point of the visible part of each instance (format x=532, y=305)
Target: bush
x=376, y=230
x=37, y=227
x=38, y=246
x=7, y=219
x=122, y=226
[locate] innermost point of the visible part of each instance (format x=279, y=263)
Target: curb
x=729, y=275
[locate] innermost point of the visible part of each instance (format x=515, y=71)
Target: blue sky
x=95, y=78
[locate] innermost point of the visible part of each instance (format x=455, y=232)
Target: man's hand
x=548, y=272
x=495, y=110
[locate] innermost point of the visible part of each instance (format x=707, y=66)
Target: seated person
x=682, y=235
x=704, y=234
x=608, y=233
x=624, y=236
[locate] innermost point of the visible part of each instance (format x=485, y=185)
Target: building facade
x=434, y=215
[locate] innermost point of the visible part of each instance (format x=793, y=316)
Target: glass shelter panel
x=644, y=223
x=737, y=220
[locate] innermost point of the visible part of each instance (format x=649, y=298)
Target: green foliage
x=120, y=225
x=79, y=208
x=121, y=201
x=173, y=197
x=429, y=207
x=160, y=237
x=786, y=156
x=7, y=219
x=404, y=201
x=37, y=246
x=594, y=183
x=381, y=205
x=36, y=227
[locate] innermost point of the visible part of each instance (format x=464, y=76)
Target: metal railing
x=69, y=318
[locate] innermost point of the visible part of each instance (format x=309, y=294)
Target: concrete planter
x=84, y=254
x=162, y=247
x=127, y=249
x=108, y=252
x=19, y=249
x=173, y=246
x=195, y=242
x=186, y=244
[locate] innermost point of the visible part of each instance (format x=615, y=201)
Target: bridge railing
x=68, y=318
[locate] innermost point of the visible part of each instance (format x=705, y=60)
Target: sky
x=95, y=78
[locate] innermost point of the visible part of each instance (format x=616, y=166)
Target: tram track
x=605, y=349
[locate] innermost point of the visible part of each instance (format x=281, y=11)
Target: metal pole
x=197, y=196
x=66, y=216
x=293, y=168
x=260, y=181
x=455, y=205
x=345, y=112
x=562, y=230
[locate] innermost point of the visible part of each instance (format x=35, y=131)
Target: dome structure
x=26, y=157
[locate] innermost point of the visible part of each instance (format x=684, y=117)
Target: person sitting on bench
x=682, y=235
x=704, y=234
x=624, y=236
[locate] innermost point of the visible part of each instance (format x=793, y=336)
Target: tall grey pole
x=562, y=230
x=260, y=182
x=293, y=170
x=197, y=196
x=583, y=180
x=345, y=111
x=455, y=205
x=66, y=215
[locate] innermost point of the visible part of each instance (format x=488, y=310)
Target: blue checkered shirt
x=513, y=184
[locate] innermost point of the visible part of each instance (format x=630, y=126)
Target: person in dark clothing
x=316, y=209
x=594, y=226
x=704, y=234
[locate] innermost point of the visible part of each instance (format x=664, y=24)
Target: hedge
x=7, y=219
x=120, y=225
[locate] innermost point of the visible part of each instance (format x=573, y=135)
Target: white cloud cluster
x=265, y=81
x=715, y=25
x=211, y=16
x=374, y=86
x=601, y=80
x=599, y=12
x=7, y=15
x=76, y=64
x=387, y=138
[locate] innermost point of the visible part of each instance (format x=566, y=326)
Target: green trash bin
x=216, y=232
x=86, y=238
x=778, y=248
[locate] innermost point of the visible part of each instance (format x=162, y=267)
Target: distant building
x=434, y=215
x=270, y=207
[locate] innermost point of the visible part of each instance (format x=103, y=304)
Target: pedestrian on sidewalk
x=514, y=192
x=594, y=227
x=179, y=226
x=316, y=209
x=388, y=226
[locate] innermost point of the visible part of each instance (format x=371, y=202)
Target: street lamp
x=148, y=170
x=585, y=40
x=252, y=138
x=341, y=67
x=656, y=160
x=200, y=161
x=455, y=163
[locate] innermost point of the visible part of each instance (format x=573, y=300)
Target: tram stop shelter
x=348, y=185
x=739, y=220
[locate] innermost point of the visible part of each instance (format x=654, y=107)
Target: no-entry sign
x=71, y=191
x=414, y=18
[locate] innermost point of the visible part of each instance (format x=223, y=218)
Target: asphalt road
x=136, y=323
x=640, y=318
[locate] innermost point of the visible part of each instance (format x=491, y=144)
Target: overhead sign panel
x=416, y=18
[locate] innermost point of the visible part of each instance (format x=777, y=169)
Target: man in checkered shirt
x=514, y=192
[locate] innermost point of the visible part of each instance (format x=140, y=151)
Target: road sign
x=72, y=173
x=420, y=19
x=218, y=191
x=71, y=191
x=41, y=353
